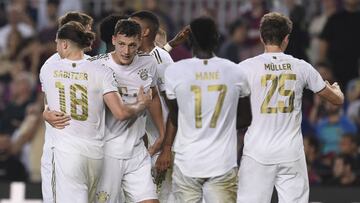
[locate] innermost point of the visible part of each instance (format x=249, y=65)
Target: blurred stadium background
x=326, y=33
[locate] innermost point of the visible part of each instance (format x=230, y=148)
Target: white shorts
x=132, y=175
x=46, y=175
x=212, y=190
x=75, y=178
x=257, y=181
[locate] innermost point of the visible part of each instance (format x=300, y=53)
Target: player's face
x=126, y=47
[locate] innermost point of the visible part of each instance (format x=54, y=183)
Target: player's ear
x=146, y=32
x=113, y=40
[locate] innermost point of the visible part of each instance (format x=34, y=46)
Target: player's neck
x=203, y=54
x=75, y=55
x=273, y=49
x=147, y=46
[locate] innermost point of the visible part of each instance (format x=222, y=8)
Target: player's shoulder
x=144, y=59
x=99, y=58
x=161, y=55
x=52, y=58
x=224, y=61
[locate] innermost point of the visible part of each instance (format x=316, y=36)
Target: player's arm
x=244, y=115
x=180, y=38
x=123, y=111
x=56, y=119
x=157, y=116
x=164, y=160
x=332, y=93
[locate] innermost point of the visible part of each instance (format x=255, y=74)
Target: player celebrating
x=203, y=94
x=273, y=153
x=68, y=83
x=56, y=119
x=125, y=152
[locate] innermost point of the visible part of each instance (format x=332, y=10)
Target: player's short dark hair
x=274, y=27
x=128, y=28
x=107, y=27
x=77, y=33
x=150, y=19
x=204, y=33
x=82, y=18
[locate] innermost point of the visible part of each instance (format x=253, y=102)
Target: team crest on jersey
x=143, y=73
x=102, y=196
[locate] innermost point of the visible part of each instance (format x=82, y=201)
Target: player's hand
x=153, y=149
x=164, y=160
x=180, y=37
x=144, y=98
x=56, y=119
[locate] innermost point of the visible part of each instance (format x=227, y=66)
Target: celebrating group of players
x=98, y=110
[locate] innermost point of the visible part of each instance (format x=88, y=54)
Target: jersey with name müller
x=123, y=139
x=163, y=60
x=77, y=88
x=276, y=83
x=207, y=92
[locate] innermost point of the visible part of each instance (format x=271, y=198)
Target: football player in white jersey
x=203, y=95
x=125, y=152
x=56, y=119
x=273, y=152
x=149, y=28
x=68, y=83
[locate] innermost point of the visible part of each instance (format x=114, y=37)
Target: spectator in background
x=299, y=38
x=17, y=20
x=233, y=49
x=332, y=127
x=343, y=172
x=316, y=27
x=340, y=41
x=166, y=22
x=318, y=111
x=253, y=17
x=318, y=172
x=11, y=118
x=349, y=146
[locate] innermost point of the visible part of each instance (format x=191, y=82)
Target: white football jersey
x=276, y=83
x=123, y=139
x=68, y=85
x=48, y=136
x=163, y=60
x=207, y=92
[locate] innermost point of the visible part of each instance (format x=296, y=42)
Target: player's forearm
x=120, y=110
x=244, y=115
x=156, y=114
x=170, y=134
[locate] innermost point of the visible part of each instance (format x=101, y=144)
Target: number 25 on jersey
x=277, y=83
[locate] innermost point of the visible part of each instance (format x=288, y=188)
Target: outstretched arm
x=332, y=93
x=180, y=38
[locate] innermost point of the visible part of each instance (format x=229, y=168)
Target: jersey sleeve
x=242, y=82
x=170, y=82
x=313, y=79
x=109, y=83
x=154, y=73
x=41, y=77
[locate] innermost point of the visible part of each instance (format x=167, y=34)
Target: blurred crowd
x=325, y=34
